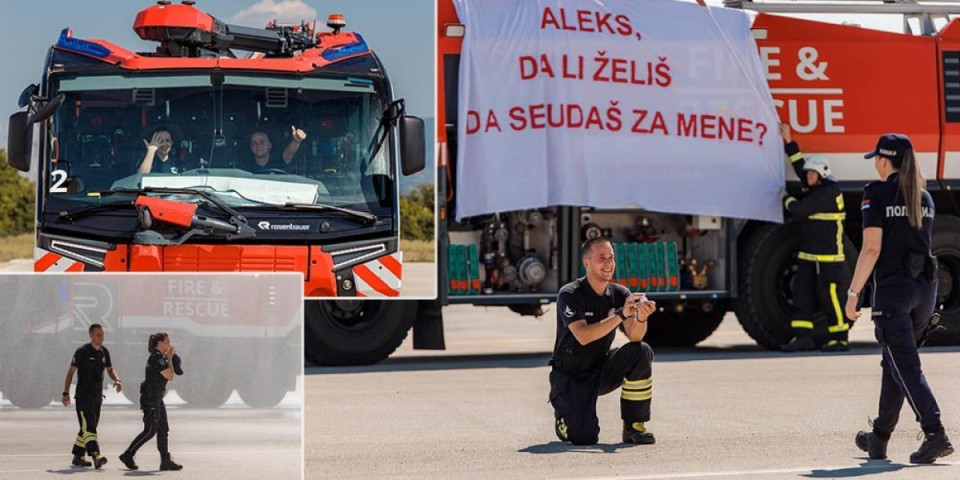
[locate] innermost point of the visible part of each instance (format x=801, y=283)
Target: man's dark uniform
x=819, y=288
x=90, y=364
x=902, y=304
x=583, y=372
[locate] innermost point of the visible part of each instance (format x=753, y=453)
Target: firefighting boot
x=127, y=460
x=99, y=461
x=167, y=464
x=560, y=428
x=79, y=461
x=836, y=345
x=935, y=444
x=799, y=344
x=636, y=432
x=873, y=444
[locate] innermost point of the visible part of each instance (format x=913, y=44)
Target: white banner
x=653, y=104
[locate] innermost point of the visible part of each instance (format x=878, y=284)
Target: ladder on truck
x=922, y=12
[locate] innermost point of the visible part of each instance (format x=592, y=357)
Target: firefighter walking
x=589, y=311
x=89, y=362
x=818, y=292
x=896, y=258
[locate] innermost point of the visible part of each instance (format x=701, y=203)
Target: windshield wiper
x=367, y=218
x=186, y=191
x=71, y=215
x=388, y=120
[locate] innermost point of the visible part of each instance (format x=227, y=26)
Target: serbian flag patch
x=864, y=204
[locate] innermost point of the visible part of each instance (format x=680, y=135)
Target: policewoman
x=896, y=258
x=162, y=363
x=589, y=312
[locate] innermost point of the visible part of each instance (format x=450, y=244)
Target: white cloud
x=283, y=11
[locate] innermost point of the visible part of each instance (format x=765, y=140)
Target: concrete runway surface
x=229, y=443
x=726, y=409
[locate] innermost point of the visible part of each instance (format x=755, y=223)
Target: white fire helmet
x=820, y=164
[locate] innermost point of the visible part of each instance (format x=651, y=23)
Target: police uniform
x=152, y=390
x=583, y=372
x=90, y=364
x=819, y=291
x=903, y=300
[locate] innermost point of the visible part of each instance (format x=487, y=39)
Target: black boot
x=99, y=461
x=935, y=445
x=167, y=464
x=637, y=433
x=873, y=444
x=799, y=344
x=78, y=461
x=127, y=459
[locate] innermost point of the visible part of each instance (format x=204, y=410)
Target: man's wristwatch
x=620, y=314
x=851, y=293
x=66, y=394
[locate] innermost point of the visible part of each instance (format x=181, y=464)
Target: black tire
x=131, y=391
x=28, y=394
x=672, y=329
x=200, y=395
x=767, y=265
x=261, y=394
x=355, y=332
x=946, y=246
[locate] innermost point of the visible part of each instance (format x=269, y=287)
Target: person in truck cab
x=821, y=272
x=263, y=159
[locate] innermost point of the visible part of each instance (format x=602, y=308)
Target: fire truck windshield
x=253, y=140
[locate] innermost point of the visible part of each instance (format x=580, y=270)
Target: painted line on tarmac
x=740, y=473
x=206, y=452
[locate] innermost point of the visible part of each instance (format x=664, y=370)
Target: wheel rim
x=351, y=316
x=948, y=277
x=788, y=274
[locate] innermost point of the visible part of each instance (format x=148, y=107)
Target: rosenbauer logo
x=265, y=225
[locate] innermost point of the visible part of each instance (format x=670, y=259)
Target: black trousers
x=901, y=308
x=88, y=414
x=574, y=397
x=154, y=424
x=819, y=294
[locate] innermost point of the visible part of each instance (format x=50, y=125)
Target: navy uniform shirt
x=578, y=301
x=883, y=206
x=90, y=364
x=154, y=385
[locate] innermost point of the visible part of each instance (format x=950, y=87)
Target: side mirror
x=25, y=95
x=412, y=145
x=19, y=141
x=49, y=109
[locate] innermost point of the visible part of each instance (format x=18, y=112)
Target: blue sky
x=399, y=31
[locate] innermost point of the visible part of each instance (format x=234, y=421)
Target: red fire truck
x=520, y=259
x=218, y=103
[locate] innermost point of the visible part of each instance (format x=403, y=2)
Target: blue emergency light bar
x=350, y=49
x=76, y=45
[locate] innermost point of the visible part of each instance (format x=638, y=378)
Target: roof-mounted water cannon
x=186, y=31
x=336, y=22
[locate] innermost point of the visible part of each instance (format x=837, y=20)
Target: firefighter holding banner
x=818, y=292
x=589, y=311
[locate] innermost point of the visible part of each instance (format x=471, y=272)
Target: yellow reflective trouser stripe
x=787, y=203
x=802, y=324
x=795, y=157
x=637, y=384
x=821, y=258
x=841, y=326
x=636, y=396
x=828, y=216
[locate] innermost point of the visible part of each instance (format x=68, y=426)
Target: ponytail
x=912, y=185
x=154, y=340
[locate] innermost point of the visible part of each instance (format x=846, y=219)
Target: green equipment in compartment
x=633, y=282
x=620, y=255
x=473, y=270
x=672, y=266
